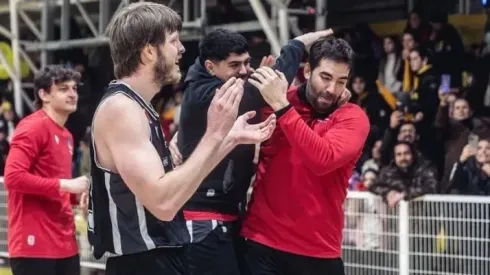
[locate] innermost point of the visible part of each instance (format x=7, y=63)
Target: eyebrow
x=236, y=62
x=330, y=75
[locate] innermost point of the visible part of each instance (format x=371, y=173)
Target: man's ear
x=307, y=71
x=43, y=95
x=209, y=65
x=148, y=54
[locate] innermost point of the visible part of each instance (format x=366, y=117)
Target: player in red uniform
x=295, y=218
x=38, y=172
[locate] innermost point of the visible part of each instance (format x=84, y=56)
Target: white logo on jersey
x=31, y=240
x=56, y=139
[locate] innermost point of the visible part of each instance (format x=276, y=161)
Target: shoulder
x=119, y=115
x=33, y=125
x=353, y=113
x=118, y=105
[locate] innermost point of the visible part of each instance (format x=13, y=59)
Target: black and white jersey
x=117, y=222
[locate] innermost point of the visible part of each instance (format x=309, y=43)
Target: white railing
x=435, y=234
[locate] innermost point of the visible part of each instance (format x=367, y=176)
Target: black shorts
x=216, y=249
x=264, y=260
x=43, y=266
x=160, y=261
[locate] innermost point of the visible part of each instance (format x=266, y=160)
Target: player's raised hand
x=223, y=110
x=272, y=85
x=245, y=133
x=309, y=38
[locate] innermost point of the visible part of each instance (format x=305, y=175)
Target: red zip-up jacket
x=302, y=179
x=40, y=218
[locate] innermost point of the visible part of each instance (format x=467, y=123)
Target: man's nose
x=243, y=70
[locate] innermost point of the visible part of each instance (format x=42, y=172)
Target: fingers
x=176, y=156
x=326, y=32
x=267, y=132
x=83, y=200
x=229, y=83
x=268, y=121
x=268, y=71
x=263, y=74
x=248, y=115
x=281, y=75
x=236, y=97
x=256, y=83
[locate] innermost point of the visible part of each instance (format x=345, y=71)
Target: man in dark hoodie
x=213, y=212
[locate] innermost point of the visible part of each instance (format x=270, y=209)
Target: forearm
x=323, y=154
x=442, y=118
x=18, y=178
x=25, y=182
x=181, y=184
x=290, y=59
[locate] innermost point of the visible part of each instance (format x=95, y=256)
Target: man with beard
x=212, y=214
x=295, y=217
x=407, y=177
x=135, y=195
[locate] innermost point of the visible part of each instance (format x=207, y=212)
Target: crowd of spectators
x=428, y=105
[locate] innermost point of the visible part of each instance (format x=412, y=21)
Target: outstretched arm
x=140, y=166
x=136, y=160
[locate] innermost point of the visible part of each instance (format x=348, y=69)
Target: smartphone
x=473, y=140
x=445, y=83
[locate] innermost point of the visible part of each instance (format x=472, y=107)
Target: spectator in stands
x=425, y=85
x=391, y=65
x=420, y=29
x=372, y=102
x=399, y=130
x=456, y=125
x=447, y=46
x=471, y=174
x=408, y=44
x=407, y=177
x=374, y=163
x=11, y=121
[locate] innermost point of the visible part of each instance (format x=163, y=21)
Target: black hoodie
x=226, y=186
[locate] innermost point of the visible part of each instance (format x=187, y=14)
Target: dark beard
x=311, y=100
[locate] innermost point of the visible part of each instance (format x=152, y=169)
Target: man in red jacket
x=38, y=172
x=295, y=218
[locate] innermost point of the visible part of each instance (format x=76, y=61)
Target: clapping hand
x=223, y=110
x=245, y=133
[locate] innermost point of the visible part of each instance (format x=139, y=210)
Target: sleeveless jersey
x=117, y=222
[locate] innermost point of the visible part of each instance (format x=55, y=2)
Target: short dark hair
x=408, y=144
x=133, y=28
x=336, y=49
x=219, y=44
x=423, y=52
x=53, y=75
